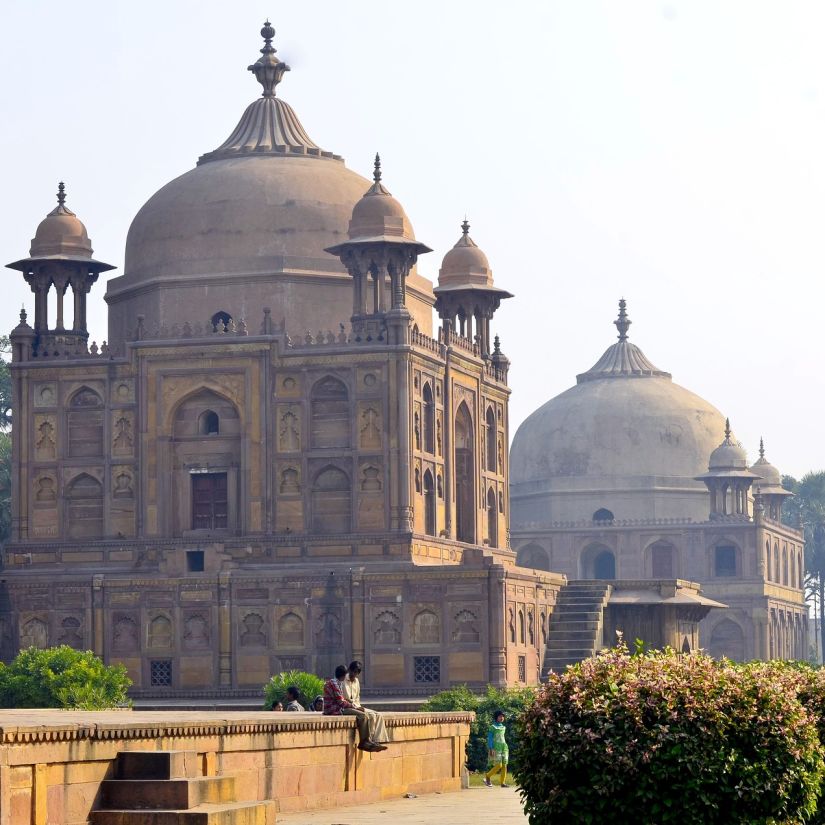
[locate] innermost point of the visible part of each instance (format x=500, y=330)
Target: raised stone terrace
x=160, y=768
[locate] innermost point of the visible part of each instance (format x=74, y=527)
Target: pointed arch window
x=429, y=419
x=492, y=458
x=331, y=502
x=84, y=511
x=209, y=423
x=429, y=503
x=465, y=480
x=330, y=414
x=85, y=424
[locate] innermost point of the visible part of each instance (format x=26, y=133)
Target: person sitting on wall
x=336, y=704
x=317, y=704
x=352, y=691
x=292, y=695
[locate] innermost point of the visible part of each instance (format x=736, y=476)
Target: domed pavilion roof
x=259, y=209
x=624, y=438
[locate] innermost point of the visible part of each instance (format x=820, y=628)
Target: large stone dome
x=247, y=228
x=625, y=439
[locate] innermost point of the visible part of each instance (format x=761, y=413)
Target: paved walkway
x=476, y=806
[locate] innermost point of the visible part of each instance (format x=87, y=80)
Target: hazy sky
x=669, y=152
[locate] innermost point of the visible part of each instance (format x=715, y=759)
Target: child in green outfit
x=499, y=752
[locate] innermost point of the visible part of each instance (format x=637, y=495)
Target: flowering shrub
x=663, y=737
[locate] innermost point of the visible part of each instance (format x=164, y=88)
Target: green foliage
x=62, y=677
x=308, y=684
x=664, y=737
x=5, y=486
x=513, y=701
x=5, y=384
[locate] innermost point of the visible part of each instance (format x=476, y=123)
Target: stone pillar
x=98, y=593
x=224, y=630
x=405, y=512
x=358, y=641
x=497, y=624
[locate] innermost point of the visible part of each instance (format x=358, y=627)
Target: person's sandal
x=367, y=746
x=505, y=785
x=487, y=782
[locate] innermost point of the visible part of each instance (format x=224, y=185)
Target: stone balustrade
x=52, y=762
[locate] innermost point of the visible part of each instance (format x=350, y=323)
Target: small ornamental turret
x=60, y=257
x=728, y=478
x=380, y=253
x=466, y=298
x=769, y=487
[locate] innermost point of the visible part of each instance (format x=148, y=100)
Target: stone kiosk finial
x=268, y=69
x=623, y=322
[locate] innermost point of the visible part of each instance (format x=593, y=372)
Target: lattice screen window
x=522, y=668
x=427, y=668
x=160, y=673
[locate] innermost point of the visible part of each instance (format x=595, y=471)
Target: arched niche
x=84, y=508
x=331, y=501
x=727, y=639
x=329, y=414
x=533, y=556
x=465, y=483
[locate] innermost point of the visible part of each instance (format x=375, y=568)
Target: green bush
x=663, y=737
x=308, y=684
x=513, y=701
x=62, y=677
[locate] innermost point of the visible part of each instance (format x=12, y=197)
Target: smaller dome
x=378, y=214
x=61, y=234
x=729, y=455
x=465, y=263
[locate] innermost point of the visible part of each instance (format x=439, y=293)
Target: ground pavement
x=476, y=806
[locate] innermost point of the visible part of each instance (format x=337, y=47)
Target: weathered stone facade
x=211, y=499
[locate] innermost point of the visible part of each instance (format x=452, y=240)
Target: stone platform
x=53, y=763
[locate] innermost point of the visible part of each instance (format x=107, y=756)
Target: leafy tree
x=309, y=686
x=5, y=486
x=62, y=677
x=806, y=509
x=5, y=384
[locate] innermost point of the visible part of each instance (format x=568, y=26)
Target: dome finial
x=761, y=447
x=61, y=193
x=268, y=70
x=623, y=322
x=376, y=172
x=727, y=429
x=465, y=227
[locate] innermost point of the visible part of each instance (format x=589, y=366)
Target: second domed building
x=628, y=477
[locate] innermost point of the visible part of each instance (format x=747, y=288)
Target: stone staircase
x=163, y=788
x=575, y=630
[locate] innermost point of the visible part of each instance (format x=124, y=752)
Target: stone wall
x=53, y=762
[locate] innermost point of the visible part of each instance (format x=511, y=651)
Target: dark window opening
x=725, y=561
x=210, y=503
x=604, y=566
x=427, y=669
x=209, y=423
x=603, y=514
x=492, y=457
x=194, y=561
x=220, y=321
x=160, y=673
x=429, y=420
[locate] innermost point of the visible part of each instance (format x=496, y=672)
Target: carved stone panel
x=196, y=631
x=289, y=627
x=70, y=632
x=371, y=514
x=123, y=433
x=288, y=385
x=426, y=626
x=44, y=395
x=369, y=426
x=45, y=438
x=159, y=632
x=34, y=631
x=123, y=391
x=123, y=484
x=327, y=629
x=288, y=425
x=386, y=627
x=289, y=479
x=253, y=629
x=125, y=635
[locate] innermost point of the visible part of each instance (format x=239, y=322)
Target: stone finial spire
x=623, y=322
x=268, y=70
x=465, y=227
x=61, y=208
x=761, y=447
x=727, y=431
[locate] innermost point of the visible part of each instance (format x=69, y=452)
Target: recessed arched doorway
x=604, y=565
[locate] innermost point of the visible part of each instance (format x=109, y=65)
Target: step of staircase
x=167, y=793
x=234, y=813
x=163, y=788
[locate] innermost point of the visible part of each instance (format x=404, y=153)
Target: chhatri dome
x=247, y=228
x=625, y=439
